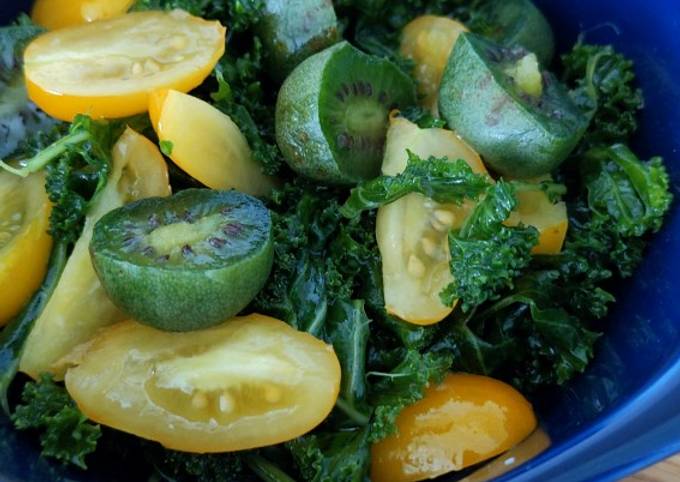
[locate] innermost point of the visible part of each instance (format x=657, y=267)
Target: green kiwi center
x=365, y=116
x=170, y=239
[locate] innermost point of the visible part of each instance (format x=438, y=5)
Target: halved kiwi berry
x=292, y=30
x=186, y=262
x=519, y=118
x=332, y=113
x=520, y=23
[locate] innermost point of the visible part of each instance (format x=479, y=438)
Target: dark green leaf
x=443, y=180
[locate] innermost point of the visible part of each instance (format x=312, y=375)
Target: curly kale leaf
x=622, y=187
x=347, y=329
x=487, y=255
x=404, y=385
x=238, y=15
x=186, y=467
x=440, y=179
x=318, y=255
x=528, y=336
x=604, y=87
x=333, y=457
x=66, y=433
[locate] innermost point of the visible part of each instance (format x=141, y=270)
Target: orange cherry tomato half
x=464, y=420
x=108, y=69
x=55, y=14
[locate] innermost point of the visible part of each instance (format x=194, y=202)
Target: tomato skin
x=55, y=14
x=69, y=318
x=23, y=260
x=109, y=68
x=207, y=144
x=464, y=420
x=250, y=382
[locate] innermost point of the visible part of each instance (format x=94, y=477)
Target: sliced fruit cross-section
x=413, y=232
x=108, y=69
x=79, y=306
x=186, y=262
x=249, y=382
x=206, y=143
x=332, y=114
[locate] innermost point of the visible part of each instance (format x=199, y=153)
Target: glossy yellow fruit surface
x=108, y=69
x=24, y=243
x=412, y=232
x=428, y=40
x=206, y=143
x=79, y=307
x=250, y=382
x=55, y=14
x=464, y=420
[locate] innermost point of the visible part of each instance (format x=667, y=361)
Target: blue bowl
x=624, y=412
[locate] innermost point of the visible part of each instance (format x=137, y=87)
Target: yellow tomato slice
x=250, y=382
x=206, y=143
x=463, y=421
x=412, y=232
x=54, y=14
x=79, y=306
x=429, y=40
x=24, y=243
x=107, y=69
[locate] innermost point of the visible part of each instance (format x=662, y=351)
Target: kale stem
x=351, y=412
x=266, y=470
x=44, y=157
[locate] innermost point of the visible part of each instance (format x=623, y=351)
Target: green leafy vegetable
x=486, y=255
x=333, y=457
x=622, y=187
x=67, y=435
x=347, y=329
x=186, y=467
x=403, y=386
x=439, y=179
x=604, y=86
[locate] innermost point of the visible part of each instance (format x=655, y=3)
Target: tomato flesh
x=24, y=243
x=108, y=69
x=70, y=318
x=464, y=420
x=206, y=143
x=412, y=232
x=54, y=14
x=250, y=382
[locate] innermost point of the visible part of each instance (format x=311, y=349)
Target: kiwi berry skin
x=292, y=30
x=184, y=297
x=516, y=135
x=304, y=142
x=520, y=23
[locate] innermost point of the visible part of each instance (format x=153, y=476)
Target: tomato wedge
x=79, y=307
x=250, y=382
x=412, y=233
x=54, y=14
x=24, y=242
x=464, y=420
x=107, y=69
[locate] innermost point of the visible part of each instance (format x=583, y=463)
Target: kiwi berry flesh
x=186, y=262
x=332, y=114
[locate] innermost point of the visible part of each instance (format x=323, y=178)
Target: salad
x=306, y=240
